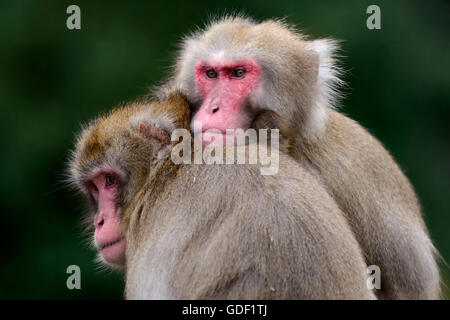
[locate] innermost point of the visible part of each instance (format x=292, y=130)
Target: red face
x=225, y=86
x=104, y=186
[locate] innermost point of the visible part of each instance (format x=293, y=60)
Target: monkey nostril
x=215, y=109
x=100, y=223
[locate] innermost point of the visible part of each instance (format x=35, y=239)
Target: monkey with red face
x=238, y=73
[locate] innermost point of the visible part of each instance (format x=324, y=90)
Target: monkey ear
x=152, y=131
x=157, y=129
x=153, y=125
x=328, y=72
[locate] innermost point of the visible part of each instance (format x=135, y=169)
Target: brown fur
x=297, y=96
x=221, y=231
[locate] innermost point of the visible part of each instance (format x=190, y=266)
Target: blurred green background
x=52, y=79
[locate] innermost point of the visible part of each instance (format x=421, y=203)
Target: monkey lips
x=113, y=252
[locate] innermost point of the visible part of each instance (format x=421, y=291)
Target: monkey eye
x=211, y=73
x=238, y=73
x=110, y=180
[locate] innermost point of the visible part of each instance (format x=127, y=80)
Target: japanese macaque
x=242, y=74
x=203, y=231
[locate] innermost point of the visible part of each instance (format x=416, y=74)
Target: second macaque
x=191, y=231
x=238, y=73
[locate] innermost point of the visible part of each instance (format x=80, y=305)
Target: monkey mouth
x=110, y=244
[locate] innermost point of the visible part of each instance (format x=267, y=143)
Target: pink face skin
x=104, y=187
x=224, y=96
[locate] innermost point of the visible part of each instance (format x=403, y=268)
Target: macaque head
x=236, y=70
x=112, y=160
